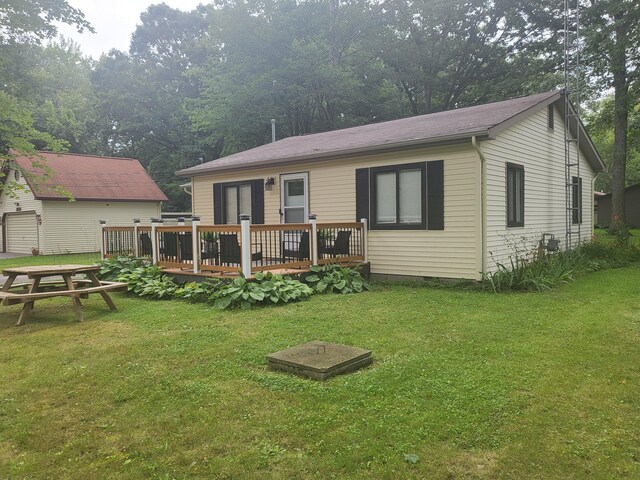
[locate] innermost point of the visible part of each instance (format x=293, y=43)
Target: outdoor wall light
x=268, y=185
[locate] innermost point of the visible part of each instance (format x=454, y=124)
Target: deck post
x=313, y=235
x=136, y=224
x=195, y=222
x=365, y=240
x=154, y=240
x=245, y=237
x=103, y=246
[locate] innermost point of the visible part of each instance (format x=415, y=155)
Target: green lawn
x=475, y=385
x=75, y=258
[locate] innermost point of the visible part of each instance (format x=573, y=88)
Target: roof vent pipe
x=273, y=130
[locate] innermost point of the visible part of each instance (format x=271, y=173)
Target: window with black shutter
x=232, y=199
x=401, y=197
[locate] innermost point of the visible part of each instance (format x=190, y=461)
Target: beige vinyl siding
x=454, y=252
x=24, y=200
x=74, y=226
x=541, y=151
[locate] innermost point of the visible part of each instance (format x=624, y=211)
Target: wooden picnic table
x=39, y=290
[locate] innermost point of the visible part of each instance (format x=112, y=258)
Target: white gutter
x=483, y=200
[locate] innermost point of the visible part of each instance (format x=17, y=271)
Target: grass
x=465, y=384
x=72, y=258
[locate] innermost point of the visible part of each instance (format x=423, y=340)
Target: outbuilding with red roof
x=65, y=196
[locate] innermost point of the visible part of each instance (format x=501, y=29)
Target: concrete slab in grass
x=320, y=360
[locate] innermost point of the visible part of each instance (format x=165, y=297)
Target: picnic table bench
x=28, y=293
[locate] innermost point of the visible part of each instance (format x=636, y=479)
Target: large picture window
x=515, y=195
x=398, y=196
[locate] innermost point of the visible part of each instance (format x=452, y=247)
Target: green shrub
x=198, y=291
x=148, y=281
x=264, y=288
x=334, y=278
x=111, y=268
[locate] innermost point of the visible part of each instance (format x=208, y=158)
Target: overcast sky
x=114, y=21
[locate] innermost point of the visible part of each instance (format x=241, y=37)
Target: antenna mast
x=572, y=83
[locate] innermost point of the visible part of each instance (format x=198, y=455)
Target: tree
x=141, y=96
x=22, y=24
x=304, y=64
x=613, y=51
x=33, y=21
x=444, y=55
x=601, y=129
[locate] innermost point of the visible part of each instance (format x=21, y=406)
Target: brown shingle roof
x=483, y=121
x=91, y=178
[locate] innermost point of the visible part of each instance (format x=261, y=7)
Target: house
x=631, y=207
x=448, y=194
x=102, y=188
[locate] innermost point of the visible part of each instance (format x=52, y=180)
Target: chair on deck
x=186, y=246
x=146, y=249
x=169, y=245
x=230, y=250
x=302, y=253
x=341, y=245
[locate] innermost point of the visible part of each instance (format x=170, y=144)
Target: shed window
x=515, y=195
x=399, y=196
x=576, y=199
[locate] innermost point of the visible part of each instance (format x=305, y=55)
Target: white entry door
x=294, y=198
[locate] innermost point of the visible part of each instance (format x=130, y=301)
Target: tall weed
x=522, y=274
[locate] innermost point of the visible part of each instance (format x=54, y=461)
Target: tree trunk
x=619, y=162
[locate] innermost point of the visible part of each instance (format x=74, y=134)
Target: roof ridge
x=87, y=155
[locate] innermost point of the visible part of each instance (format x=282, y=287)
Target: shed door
x=22, y=232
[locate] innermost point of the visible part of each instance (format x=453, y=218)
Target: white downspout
x=483, y=200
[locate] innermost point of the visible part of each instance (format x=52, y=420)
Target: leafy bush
x=334, y=278
x=197, y=291
x=149, y=281
x=146, y=280
x=264, y=288
x=111, y=268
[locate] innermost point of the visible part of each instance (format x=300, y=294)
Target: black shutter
x=217, y=204
x=362, y=194
x=435, y=195
x=257, y=201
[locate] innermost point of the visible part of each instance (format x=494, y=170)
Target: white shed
x=42, y=216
